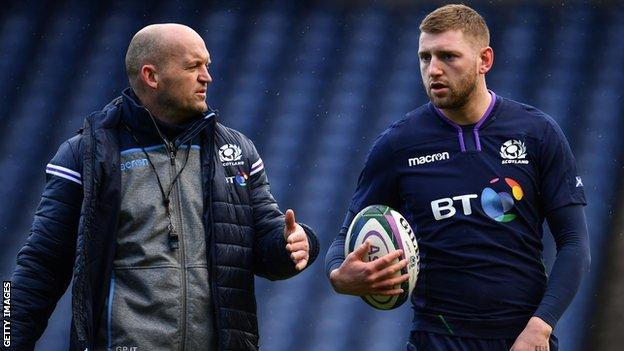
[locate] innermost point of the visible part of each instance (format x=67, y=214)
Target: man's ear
x=486, y=56
x=149, y=76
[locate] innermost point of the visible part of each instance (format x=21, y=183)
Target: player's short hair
x=457, y=17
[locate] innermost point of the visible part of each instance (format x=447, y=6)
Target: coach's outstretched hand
x=356, y=277
x=297, y=241
x=534, y=337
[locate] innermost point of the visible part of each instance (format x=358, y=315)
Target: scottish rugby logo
x=513, y=151
x=230, y=155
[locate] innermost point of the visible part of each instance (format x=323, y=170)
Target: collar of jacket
x=140, y=121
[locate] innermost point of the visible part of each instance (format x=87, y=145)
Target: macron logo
x=428, y=159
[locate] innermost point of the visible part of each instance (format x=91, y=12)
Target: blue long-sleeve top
x=477, y=197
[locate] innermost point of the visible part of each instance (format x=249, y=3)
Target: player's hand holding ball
x=296, y=241
x=381, y=258
x=378, y=277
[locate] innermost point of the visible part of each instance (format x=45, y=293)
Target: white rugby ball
x=387, y=231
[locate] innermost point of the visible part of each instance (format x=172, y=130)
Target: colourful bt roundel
x=387, y=231
x=497, y=204
x=241, y=178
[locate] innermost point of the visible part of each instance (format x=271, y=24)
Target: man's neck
x=473, y=110
x=167, y=116
x=163, y=114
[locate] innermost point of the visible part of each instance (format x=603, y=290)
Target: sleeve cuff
x=546, y=317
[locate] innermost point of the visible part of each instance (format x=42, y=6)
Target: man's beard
x=176, y=107
x=457, y=97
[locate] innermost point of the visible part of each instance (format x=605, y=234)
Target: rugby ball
x=387, y=231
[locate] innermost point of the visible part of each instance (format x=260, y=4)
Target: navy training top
x=477, y=197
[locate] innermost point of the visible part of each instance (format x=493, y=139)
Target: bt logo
x=494, y=204
x=240, y=179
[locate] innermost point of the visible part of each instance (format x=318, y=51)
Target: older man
x=161, y=215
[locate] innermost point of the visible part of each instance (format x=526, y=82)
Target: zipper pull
x=172, y=152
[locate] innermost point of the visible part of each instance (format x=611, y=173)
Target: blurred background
x=312, y=83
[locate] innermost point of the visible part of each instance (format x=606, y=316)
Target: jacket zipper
x=213, y=282
x=172, y=158
x=171, y=148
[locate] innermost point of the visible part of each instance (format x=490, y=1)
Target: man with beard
x=476, y=174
